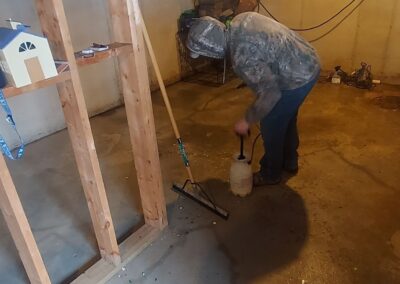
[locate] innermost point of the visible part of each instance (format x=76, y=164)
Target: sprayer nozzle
x=241, y=157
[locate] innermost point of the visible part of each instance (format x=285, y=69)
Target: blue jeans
x=279, y=132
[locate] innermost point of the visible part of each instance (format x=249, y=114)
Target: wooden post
x=18, y=225
x=127, y=27
x=55, y=28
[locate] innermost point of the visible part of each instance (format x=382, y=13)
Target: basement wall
x=370, y=34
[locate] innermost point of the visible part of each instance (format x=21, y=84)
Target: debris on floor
x=314, y=227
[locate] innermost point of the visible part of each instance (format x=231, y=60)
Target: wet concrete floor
x=337, y=221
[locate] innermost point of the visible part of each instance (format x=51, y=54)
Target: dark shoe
x=291, y=166
x=260, y=180
x=292, y=171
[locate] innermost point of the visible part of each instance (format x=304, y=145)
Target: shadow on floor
x=266, y=230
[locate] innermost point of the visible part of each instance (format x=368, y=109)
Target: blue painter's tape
x=10, y=120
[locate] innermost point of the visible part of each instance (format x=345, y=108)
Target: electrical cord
x=313, y=27
x=330, y=30
x=266, y=10
x=253, y=147
x=254, y=143
x=338, y=24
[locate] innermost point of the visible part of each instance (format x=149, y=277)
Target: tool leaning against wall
x=196, y=192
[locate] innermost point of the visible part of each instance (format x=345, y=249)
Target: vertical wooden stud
x=18, y=225
x=127, y=28
x=55, y=27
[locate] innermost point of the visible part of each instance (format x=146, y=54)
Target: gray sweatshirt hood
x=265, y=54
x=207, y=37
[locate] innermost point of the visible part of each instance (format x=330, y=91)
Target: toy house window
x=26, y=46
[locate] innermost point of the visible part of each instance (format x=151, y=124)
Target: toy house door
x=34, y=69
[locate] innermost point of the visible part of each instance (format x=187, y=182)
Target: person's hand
x=242, y=127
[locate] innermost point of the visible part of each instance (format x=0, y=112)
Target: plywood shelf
x=13, y=91
x=115, y=49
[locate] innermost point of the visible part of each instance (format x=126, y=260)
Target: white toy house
x=25, y=58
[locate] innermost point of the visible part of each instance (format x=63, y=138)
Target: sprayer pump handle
x=241, y=156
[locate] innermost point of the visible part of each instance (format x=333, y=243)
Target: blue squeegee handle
x=182, y=152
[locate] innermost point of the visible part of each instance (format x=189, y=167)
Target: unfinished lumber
x=102, y=271
x=114, y=49
x=164, y=93
x=128, y=31
x=20, y=230
x=13, y=91
x=127, y=28
x=55, y=27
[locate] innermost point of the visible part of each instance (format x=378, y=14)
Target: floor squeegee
x=190, y=188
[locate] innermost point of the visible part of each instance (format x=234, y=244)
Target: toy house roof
x=7, y=35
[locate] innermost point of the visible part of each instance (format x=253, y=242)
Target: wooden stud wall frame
x=130, y=49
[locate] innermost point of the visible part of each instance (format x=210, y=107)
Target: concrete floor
x=337, y=221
